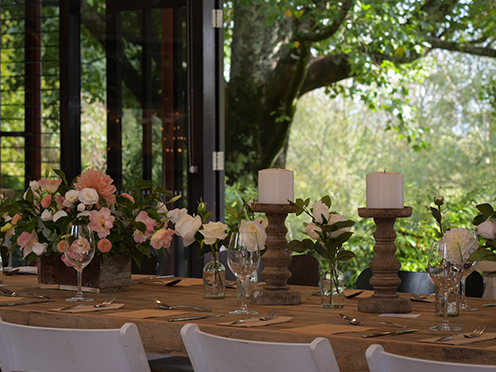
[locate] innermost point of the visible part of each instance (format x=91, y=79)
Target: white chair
x=381, y=361
x=210, y=353
x=27, y=348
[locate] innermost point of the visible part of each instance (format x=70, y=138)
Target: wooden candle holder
x=385, y=265
x=276, y=260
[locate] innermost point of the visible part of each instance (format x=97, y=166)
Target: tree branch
x=328, y=31
x=461, y=47
x=324, y=71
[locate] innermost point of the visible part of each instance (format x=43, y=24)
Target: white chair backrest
x=380, y=361
x=209, y=353
x=41, y=349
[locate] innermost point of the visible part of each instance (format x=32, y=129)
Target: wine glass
x=468, y=268
x=243, y=258
x=79, y=252
x=445, y=272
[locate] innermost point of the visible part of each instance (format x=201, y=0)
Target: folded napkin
x=144, y=314
x=258, y=323
x=461, y=340
x=185, y=282
x=430, y=299
x=10, y=299
x=348, y=292
x=88, y=308
x=393, y=315
x=329, y=329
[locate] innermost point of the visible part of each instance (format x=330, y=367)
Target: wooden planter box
x=111, y=275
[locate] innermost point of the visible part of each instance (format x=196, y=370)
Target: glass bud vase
x=332, y=287
x=214, y=278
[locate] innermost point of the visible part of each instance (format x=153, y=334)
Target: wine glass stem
x=462, y=291
x=243, y=294
x=80, y=283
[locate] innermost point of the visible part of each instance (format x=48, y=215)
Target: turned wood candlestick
x=385, y=265
x=276, y=259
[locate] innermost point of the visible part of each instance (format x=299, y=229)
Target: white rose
x=71, y=197
x=88, y=196
x=254, y=227
x=213, y=231
x=59, y=214
x=334, y=217
x=176, y=215
x=318, y=210
x=39, y=248
x=487, y=229
x=463, y=238
x=81, y=207
x=46, y=215
x=83, y=213
x=263, y=221
x=162, y=208
x=34, y=185
x=312, y=229
x=187, y=228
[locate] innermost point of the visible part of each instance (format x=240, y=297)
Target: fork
x=477, y=332
x=269, y=316
x=105, y=303
x=164, y=306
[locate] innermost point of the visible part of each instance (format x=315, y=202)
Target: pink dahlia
x=102, y=183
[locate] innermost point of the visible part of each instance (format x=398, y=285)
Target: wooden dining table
x=306, y=321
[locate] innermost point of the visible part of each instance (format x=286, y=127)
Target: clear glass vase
x=214, y=278
x=332, y=287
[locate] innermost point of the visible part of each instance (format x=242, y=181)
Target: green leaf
x=345, y=255
x=144, y=184
x=483, y=255
x=480, y=218
x=485, y=209
x=61, y=175
x=327, y=201
x=436, y=214
x=164, y=191
x=296, y=246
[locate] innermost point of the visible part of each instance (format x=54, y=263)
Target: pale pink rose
x=150, y=223
x=59, y=199
x=104, y=245
x=34, y=185
x=487, y=229
x=45, y=202
x=312, y=230
x=101, y=222
x=334, y=217
x=62, y=246
x=214, y=231
x=162, y=238
x=187, y=228
x=39, y=248
x=46, y=215
x=50, y=186
x=177, y=215
x=26, y=242
x=78, y=250
x=129, y=197
x=138, y=236
x=319, y=209
x=257, y=228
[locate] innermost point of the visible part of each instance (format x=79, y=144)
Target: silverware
x=105, y=303
x=389, y=333
x=269, y=316
x=309, y=292
x=489, y=305
x=395, y=324
x=353, y=295
x=477, y=332
x=164, y=306
x=350, y=319
x=10, y=271
x=172, y=282
x=9, y=293
x=24, y=303
x=152, y=278
x=194, y=318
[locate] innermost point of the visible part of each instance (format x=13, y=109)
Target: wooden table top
x=163, y=337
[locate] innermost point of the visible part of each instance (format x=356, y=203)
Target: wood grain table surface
x=308, y=321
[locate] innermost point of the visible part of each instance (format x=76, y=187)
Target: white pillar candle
x=275, y=186
x=384, y=190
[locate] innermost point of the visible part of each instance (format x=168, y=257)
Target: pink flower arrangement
x=129, y=224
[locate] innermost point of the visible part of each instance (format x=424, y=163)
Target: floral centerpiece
x=126, y=224
x=485, y=223
x=212, y=237
x=328, y=231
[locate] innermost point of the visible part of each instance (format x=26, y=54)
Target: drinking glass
x=243, y=258
x=79, y=252
x=445, y=270
x=468, y=268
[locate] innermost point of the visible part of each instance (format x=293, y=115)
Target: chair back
x=305, y=270
x=419, y=282
x=380, y=361
x=42, y=349
x=209, y=353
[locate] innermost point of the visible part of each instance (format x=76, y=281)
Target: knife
x=24, y=303
x=194, y=318
x=389, y=333
x=152, y=278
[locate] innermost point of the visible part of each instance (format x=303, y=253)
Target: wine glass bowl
x=445, y=270
x=79, y=252
x=468, y=268
x=243, y=258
